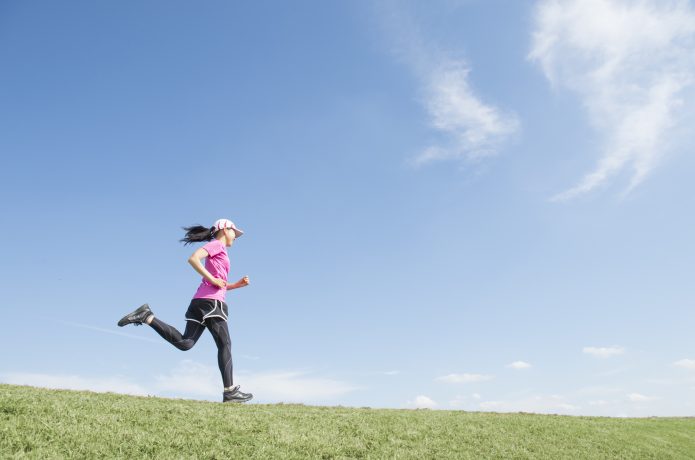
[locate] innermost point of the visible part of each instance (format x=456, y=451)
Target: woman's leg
x=173, y=336
x=220, y=332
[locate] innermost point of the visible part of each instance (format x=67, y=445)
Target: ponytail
x=197, y=233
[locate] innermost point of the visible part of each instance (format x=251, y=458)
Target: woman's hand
x=241, y=283
x=220, y=283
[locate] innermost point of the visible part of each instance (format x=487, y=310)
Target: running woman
x=208, y=308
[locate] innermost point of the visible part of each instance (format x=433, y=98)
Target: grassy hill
x=41, y=423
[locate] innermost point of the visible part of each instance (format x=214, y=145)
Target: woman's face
x=229, y=237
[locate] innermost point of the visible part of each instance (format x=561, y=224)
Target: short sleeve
x=213, y=248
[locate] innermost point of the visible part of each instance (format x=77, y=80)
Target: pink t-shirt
x=217, y=263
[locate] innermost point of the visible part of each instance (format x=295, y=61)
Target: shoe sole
x=125, y=320
x=238, y=401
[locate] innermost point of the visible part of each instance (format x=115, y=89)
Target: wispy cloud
x=251, y=357
x=462, y=400
x=600, y=390
x=519, y=365
x=192, y=379
x=115, y=384
x=469, y=128
x=685, y=363
x=464, y=378
x=612, y=372
x=600, y=403
x=629, y=62
x=296, y=386
x=604, y=352
x=473, y=128
x=638, y=397
x=617, y=401
x=104, y=330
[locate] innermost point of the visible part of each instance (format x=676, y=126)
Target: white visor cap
x=226, y=223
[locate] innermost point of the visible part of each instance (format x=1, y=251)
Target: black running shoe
x=137, y=317
x=234, y=395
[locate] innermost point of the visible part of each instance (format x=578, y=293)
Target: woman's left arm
x=241, y=283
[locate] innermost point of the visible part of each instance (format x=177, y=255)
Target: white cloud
x=422, y=402
x=194, y=378
x=612, y=372
x=251, y=357
x=689, y=380
x=464, y=378
x=295, y=386
x=461, y=400
x=492, y=405
x=519, y=365
x=458, y=401
x=567, y=407
x=599, y=390
x=104, y=330
x=191, y=378
x=599, y=402
x=685, y=363
x=604, y=352
x=630, y=63
x=637, y=397
x=474, y=129
x=392, y=372
x=470, y=128
x=75, y=382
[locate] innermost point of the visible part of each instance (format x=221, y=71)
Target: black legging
x=218, y=329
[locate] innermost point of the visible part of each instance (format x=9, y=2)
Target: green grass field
x=41, y=423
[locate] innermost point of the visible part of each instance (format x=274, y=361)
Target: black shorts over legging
x=201, y=309
x=203, y=313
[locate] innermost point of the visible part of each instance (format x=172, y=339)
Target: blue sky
x=476, y=205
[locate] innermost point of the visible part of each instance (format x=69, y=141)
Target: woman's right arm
x=194, y=260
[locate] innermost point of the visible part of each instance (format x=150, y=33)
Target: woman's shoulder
x=214, y=247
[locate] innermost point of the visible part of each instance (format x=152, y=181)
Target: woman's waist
x=208, y=283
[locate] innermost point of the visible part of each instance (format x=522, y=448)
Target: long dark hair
x=197, y=233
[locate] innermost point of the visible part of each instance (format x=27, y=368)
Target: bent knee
x=184, y=345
